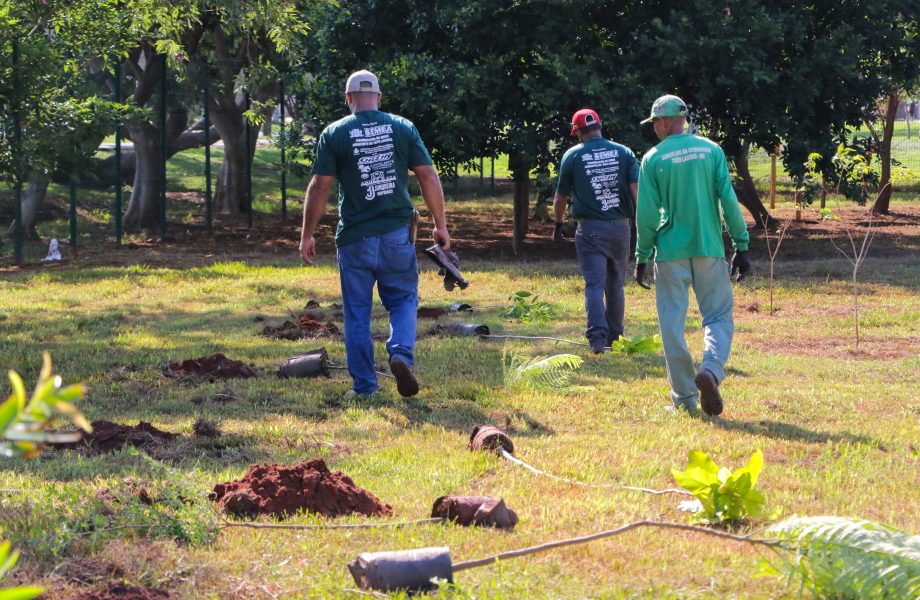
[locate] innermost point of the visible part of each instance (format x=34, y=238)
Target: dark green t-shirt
x=597, y=174
x=370, y=152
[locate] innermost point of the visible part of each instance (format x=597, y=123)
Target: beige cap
x=362, y=81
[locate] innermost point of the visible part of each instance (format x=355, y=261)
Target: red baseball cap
x=584, y=118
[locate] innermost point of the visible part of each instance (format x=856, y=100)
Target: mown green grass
x=839, y=429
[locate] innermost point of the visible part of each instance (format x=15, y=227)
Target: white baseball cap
x=362, y=81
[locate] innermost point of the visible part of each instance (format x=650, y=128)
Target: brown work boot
x=710, y=399
x=406, y=383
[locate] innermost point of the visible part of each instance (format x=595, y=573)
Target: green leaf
x=21, y=593
x=701, y=459
x=7, y=558
x=755, y=466
x=695, y=480
x=19, y=389
x=9, y=410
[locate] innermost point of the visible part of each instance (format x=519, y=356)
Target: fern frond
x=541, y=371
x=836, y=557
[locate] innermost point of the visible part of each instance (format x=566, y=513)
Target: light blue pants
x=713, y=289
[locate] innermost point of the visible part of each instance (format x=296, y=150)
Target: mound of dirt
x=211, y=368
x=121, y=591
x=108, y=437
x=427, y=312
x=308, y=325
x=280, y=490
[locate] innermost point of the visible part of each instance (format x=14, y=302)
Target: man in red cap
x=600, y=178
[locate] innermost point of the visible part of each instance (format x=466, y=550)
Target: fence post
x=773, y=179
x=162, y=207
x=118, y=198
x=208, y=209
x=456, y=180
x=482, y=176
x=17, y=164
x=281, y=141
x=73, y=214
x=249, y=157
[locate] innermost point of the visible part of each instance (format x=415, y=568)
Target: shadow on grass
x=789, y=432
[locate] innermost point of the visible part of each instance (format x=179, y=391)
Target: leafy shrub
x=527, y=306
x=540, y=371
x=637, y=345
x=836, y=557
x=724, y=496
x=23, y=426
x=23, y=433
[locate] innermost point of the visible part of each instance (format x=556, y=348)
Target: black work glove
x=557, y=232
x=741, y=266
x=640, y=275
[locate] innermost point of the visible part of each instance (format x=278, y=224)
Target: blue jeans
x=603, y=254
x=389, y=261
x=713, y=290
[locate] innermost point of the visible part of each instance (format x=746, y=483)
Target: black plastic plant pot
x=312, y=364
x=482, y=511
x=467, y=329
x=488, y=437
x=459, y=307
x=410, y=570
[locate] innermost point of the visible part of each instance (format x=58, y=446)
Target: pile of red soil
x=121, y=591
x=307, y=326
x=280, y=490
x=108, y=437
x=211, y=368
x=430, y=313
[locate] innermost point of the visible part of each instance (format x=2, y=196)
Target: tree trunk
x=227, y=116
x=883, y=201
x=143, y=208
x=519, y=165
x=104, y=170
x=32, y=198
x=747, y=191
x=231, y=179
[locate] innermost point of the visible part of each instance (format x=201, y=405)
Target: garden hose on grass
x=513, y=459
x=488, y=437
x=421, y=569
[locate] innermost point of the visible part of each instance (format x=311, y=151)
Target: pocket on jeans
x=400, y=258
x=396, y=239
x=351, y=255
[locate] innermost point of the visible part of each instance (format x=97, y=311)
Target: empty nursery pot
x=488, y=437
x=411, y=570
x=483, y=511
x=459, y=307
x=312, y=364
x=467, y=329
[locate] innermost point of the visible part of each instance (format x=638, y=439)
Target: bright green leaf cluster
x=527, y=306
x=23, y=425
x=637, y=345
x=725, y=496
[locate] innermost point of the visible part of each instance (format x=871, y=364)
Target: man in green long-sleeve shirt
x=684, y=193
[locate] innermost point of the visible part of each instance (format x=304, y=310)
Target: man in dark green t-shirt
x=599, y=176
x=370, y=153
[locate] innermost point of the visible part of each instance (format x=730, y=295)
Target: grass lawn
x=839, y=428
